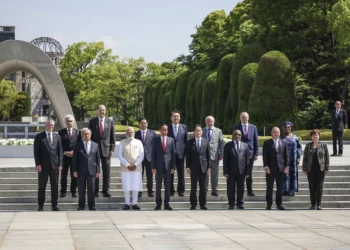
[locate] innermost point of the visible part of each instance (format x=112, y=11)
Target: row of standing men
x=48, y=147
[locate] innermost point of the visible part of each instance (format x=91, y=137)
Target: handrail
x=6, y=134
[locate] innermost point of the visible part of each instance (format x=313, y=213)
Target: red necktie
x=245, y=130
x=164, y=144
x=69, y=134
x=101, y=127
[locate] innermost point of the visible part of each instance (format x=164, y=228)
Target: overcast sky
x=158, y=30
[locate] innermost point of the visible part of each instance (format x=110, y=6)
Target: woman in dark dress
x=316, y=166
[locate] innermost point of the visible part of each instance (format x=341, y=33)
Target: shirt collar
x=144, y=131
x=245, y=125
x=163, y=137
x=87, y=143
x=210, y=128
x=175, y=125
x=103, y=119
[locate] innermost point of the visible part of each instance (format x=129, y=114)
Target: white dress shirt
x=87, y=146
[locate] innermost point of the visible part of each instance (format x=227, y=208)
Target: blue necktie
x=198, y=146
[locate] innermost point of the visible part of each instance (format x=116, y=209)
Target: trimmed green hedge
x=208, y=93
x=325, y=134
x=182, y=84
x=261, y=139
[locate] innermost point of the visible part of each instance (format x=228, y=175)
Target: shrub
x=207, y=96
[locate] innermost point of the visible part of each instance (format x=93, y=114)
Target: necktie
x=101, y=127
x=164, y=144
x=87, y=148
x=49, y=138
x=245, y=130
x=237, y=146
x=209, y=134
x=175, y=131
x=143, y=136
x=337, y=113
x=198, y=146
x=69, y=134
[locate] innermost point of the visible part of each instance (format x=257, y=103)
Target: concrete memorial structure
x=23, y=56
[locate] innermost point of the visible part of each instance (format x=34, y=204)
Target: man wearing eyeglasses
x=69, y=137
x=236, y=168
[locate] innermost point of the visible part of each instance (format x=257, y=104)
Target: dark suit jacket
x=251, y=139
x=197, y=161
x=148, y=144
x=180, y=140
x=275, y=160
x=68, y=145
x=106, y=143
x=161, y=158
x=322, y=156
x=234, y=160
x=83, y=164
x=46, y=155
x=340, y=122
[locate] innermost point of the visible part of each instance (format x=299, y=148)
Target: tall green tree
x=208, y=96
x=272, y=99
x=8, y=97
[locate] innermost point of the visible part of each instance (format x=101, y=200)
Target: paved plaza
x=221, y=229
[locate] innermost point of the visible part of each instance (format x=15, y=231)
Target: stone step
x=119, y=192
x=176, y=205
x=145, y=198
x=256, y=185
x=117, y=168
x=117, y=180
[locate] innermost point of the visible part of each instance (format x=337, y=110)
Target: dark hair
x=314, y=132
x=197, y=126
x=175, y=111
x=142, y=119
x=163, y=126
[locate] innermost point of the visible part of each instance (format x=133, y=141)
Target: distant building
x=8, y=33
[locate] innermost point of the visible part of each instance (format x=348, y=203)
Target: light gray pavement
x=176, y=230
x=29, y=162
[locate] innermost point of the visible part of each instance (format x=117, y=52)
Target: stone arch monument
x=23, y=56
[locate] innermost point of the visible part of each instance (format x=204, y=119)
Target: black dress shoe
x=55, y=208
x=80, y=208
x=126, y=207
x=214, y=194
x=240, y=207
x=319, y=208
x=96, y=195
x=312, y=208
x=281, y=207
x=333, y=154
x=92, y=209
x=136, y=207
x=63, y=195
x=251, y=194
x=204, y=208
x=106, y=194
x=340, y=154
x=172, y=194
x=74, y=195
x=268, y=207
x=40, y=209
x=231, y=207
x=193, y=208
x=150, y=195
x=168, y=207
x=140, y=194
x=181, y=194
x=158, y=207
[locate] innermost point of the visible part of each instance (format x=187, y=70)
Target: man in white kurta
x=131, y=154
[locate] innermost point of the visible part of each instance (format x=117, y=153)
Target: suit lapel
x=46, y=140
x=234, y=148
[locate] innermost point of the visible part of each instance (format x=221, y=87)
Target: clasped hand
x=131, y=168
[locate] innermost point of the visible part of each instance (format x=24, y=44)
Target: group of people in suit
x=145, y=152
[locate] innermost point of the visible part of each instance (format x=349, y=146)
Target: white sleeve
x=120, y=156
x=141, y=156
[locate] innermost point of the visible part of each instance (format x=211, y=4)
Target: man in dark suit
x=178, y=132
x=236, y=168
x=48, y=161
x=146, y=136
x=102, y=129
x=249, y=136
x=339, y=122
x=86, y=168
x=216, y=151
x=276, y=163
x=69, y=137
x=163, y=165
x=197, y=165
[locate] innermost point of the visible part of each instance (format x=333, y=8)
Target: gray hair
x=244, y=113
x=209, y=117
x=50, y=121
x=69, y=116
x=130, y=128
x=84, y=130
